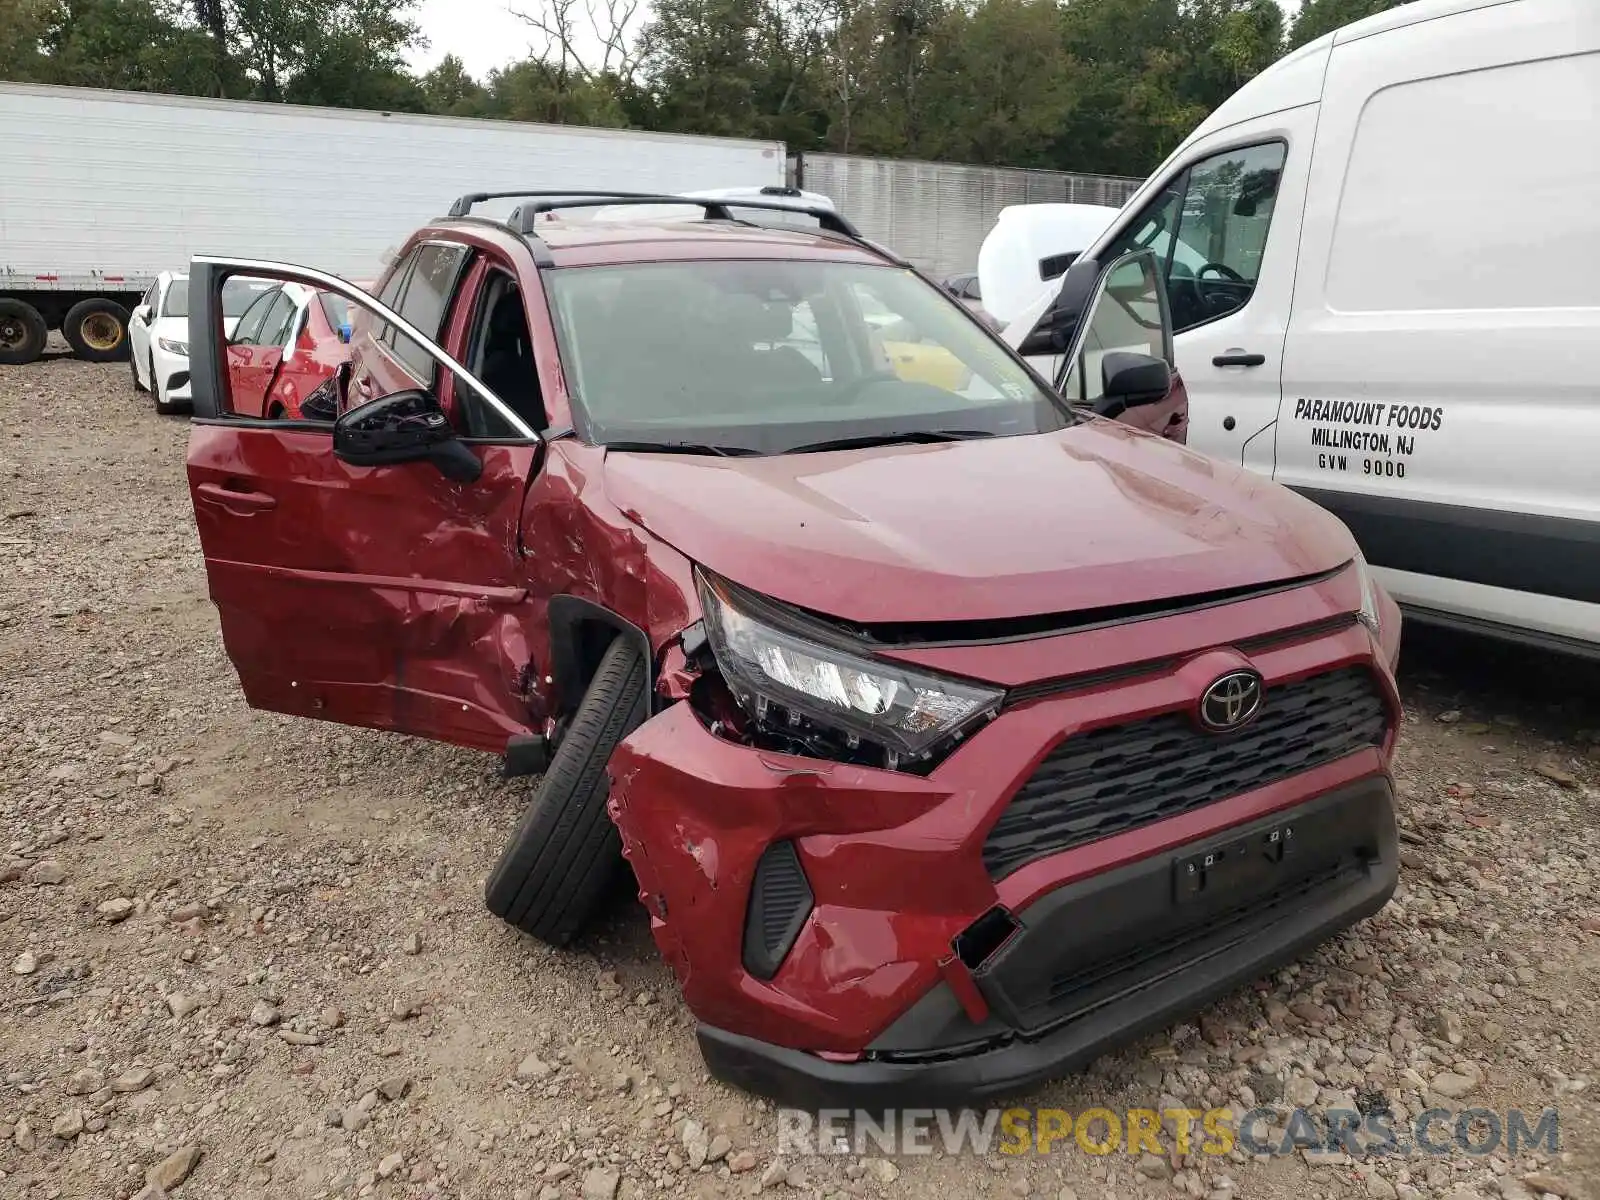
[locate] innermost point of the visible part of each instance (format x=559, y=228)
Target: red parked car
x=953, y=734
x=285, y=346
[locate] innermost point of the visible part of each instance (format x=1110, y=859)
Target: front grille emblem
x=1231, y=702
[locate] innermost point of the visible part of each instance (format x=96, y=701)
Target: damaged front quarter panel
x=697, y=812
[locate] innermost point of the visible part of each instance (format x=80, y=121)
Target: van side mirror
x=1130, y=380
x=403, y=427
x=1058, y=328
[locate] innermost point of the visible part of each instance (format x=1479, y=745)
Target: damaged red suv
x=953, y=733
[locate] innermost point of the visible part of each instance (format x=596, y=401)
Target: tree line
x=1103, y=86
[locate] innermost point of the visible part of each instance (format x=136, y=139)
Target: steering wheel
x=1219, y=295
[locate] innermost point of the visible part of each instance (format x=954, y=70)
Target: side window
x=150, y=299
x=248, y=331
x=1126, y=316
x=501, y=355
x=425, y=301
x=1209, y=228
x=276, y=326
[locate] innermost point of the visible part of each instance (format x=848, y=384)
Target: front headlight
x=907, y=712
x=1368, y=615
x=171, y=346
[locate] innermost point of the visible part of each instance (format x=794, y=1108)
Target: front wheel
x=97, y=330
x=560, y=860
x=133, y=369
x=165, y=407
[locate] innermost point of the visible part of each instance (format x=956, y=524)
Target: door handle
x=1238, y=358
x=237, y=502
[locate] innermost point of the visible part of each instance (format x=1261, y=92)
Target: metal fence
x=937, y=214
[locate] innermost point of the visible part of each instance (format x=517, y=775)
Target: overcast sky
x=484, y=34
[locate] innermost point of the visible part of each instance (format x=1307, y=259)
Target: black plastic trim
x=780, y=903
x=1525, y=552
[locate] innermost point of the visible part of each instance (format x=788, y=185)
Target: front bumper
x=818, y=914
x=1063, y=974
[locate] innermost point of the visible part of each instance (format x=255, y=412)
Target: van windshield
x=769, y=357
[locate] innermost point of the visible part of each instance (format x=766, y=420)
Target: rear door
x=388, y=596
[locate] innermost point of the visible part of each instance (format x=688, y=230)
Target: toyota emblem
x=1231, y=702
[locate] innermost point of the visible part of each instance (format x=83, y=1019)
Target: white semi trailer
x=101, y=191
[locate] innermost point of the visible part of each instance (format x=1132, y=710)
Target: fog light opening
x=981, y=940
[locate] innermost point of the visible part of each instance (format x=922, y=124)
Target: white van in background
x=1030, y=247
x=1396, y=308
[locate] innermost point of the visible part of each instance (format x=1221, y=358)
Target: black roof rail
x=464, y=204
x=716, y=209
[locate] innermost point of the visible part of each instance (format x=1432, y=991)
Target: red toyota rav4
x=953, y=733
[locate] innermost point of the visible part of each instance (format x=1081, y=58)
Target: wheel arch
x=580, y=631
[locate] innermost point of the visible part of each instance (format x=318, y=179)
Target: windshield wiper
x=684, y=448
x=914, y=436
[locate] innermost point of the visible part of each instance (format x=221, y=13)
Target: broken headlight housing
x=1368, y=615
x=800, y=686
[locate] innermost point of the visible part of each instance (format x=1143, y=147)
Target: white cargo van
x=1396, y=309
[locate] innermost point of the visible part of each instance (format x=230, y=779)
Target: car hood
x=1095, y=516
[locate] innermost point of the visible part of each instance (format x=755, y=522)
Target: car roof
x=614, y=242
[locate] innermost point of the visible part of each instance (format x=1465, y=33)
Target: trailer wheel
x=22, y=333
x=97, y=330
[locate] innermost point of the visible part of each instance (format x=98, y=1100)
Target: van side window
x=1209, y=225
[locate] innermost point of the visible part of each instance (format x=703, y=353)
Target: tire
x=558, y=864
x=22, y=333
x=97, y=330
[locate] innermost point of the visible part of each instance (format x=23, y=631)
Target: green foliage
x=1107, y=86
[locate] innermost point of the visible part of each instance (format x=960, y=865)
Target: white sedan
x=158, y=335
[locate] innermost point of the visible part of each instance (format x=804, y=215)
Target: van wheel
x=22, y=333
x=560, y=861
x=97, y=330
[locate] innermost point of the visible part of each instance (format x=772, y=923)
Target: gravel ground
x=243, y=955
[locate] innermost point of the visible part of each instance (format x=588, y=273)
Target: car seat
x=508, y=366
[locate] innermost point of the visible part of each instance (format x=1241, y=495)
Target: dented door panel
x=388, y=597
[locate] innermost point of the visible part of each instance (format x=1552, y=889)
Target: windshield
x=766, y=357
x=176, y=303
x=238, y=294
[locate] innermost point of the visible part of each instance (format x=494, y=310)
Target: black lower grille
x=1124, y=776
x=780, y=902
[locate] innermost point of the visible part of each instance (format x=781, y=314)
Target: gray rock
x=69, y=1124
x=115, y=911
x=719, y=1149
x=84, y=1081
x=601, y=1183
x=389, y=1164
x=1301, y=1092
x=532, y=1069
x=174, y=1169
x=412, y=944
x=695, y=1144
x=263, y=1014
x=133, y=1080
x=48, y=873
x=25, y=963
x=25, y=1136
x=394, y=1087
x=355, y=1118
x=1453, y=1086
x=1153, y=1166
x=1380, y=1188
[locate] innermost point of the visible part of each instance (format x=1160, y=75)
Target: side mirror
x=1058, y=328
x=403, y=427
x=141, y=313
x=1130, y=380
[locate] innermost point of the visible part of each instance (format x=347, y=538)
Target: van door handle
x=1238, y=358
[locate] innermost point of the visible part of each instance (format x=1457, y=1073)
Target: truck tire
x=97, y=330
x=564, y=854
x=22, y=333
